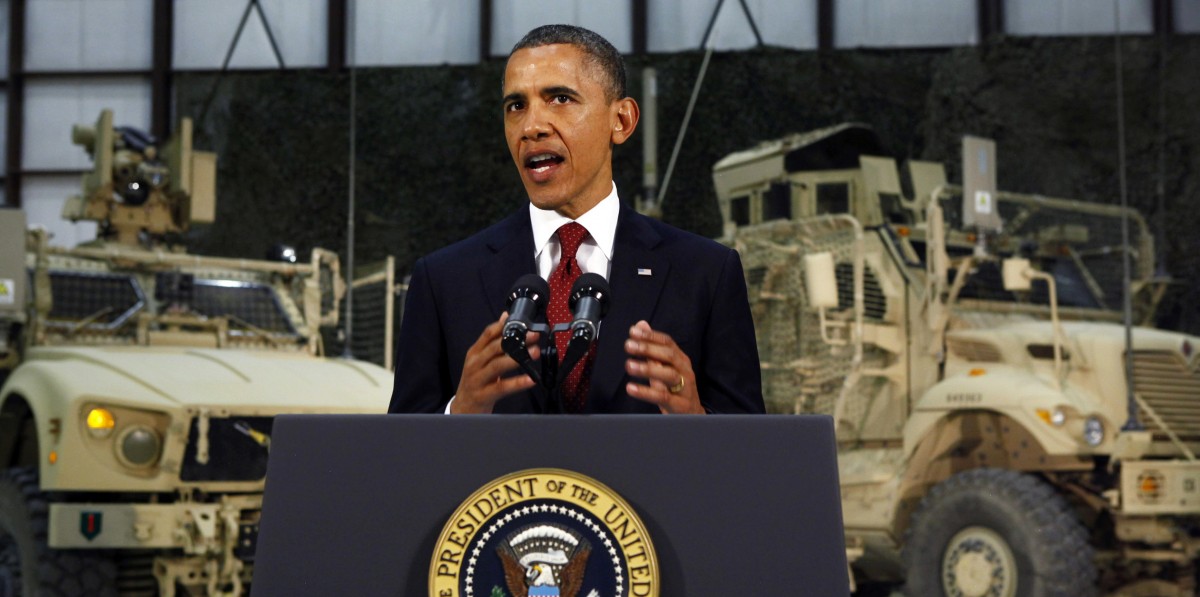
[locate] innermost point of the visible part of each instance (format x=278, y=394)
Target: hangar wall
x=432, y=166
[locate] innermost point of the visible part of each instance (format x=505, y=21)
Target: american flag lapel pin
x=644, y=271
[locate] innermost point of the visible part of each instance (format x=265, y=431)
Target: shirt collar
x=600, y=221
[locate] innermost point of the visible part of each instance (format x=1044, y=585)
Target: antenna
x=1131, y=422
x=347, y=350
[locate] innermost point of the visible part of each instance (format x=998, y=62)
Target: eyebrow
x=560, y=90
x=556, y=90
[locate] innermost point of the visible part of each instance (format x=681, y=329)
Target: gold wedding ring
x=677, y=388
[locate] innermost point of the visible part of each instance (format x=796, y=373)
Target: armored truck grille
x=975, y=351
x=103, y=300
x=233, y=455
x=874, y=303
x=252, y=303
x=1172, y=388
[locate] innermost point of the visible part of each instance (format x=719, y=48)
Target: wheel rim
x=978, y=562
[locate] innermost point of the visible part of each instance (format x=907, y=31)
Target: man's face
x=560, y=126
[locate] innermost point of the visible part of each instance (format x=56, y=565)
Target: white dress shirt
x=595, y=253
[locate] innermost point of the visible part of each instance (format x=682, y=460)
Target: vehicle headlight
x=1058, y=417
x=100, y=422
x=139, y=446
x=1093, y=431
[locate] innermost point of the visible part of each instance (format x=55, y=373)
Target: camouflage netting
x=801, y=373
x=433, y=168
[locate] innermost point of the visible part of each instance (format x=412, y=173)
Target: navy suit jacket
x=684, y=285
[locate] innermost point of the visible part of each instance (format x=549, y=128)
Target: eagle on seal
x=538, y=579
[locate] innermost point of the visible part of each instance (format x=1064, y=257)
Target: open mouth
x=542, y=162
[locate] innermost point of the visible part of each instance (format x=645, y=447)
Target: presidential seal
x=544, y=533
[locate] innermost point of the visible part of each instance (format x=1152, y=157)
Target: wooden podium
x=734, y=505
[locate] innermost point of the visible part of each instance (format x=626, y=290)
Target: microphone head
x=593, y=285
x=532, y=287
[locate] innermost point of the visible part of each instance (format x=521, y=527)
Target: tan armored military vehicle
x=140, y=383
x=987, y=443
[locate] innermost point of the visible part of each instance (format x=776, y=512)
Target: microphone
x=525, y=303
x=589, y=303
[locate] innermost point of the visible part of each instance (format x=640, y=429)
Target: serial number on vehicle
x=970, y=398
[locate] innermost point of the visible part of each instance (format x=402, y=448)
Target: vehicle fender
x=1014, y=393
x=55, y=391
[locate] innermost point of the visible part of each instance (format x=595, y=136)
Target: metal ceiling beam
x=160, y=69
x=485, y=30
x=336, y=36
x=1164, y=17
x=989, y=20
x=640, y=27
x=16, y=102
x=825, y=24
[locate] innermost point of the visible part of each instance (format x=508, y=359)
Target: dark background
x=432, y=166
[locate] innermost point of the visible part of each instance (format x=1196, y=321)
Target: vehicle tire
x=29, y=567
x=997, y=533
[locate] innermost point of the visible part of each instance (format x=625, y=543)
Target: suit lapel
x=634, y=297
x=511, y=244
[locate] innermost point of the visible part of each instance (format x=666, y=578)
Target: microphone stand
x=555, y=373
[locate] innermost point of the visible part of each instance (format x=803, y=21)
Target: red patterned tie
x=575, y=387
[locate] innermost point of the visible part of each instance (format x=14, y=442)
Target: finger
x=668, y=375
x=643, y=332
x=531, y=341
x=648, y=393
x=656, y=393
x=507, y=385
x=669, y=354
x=496, y=363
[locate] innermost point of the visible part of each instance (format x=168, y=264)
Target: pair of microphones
x=526, y=304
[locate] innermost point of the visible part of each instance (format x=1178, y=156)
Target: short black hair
x=601, y=54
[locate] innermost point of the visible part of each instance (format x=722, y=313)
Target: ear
x=625, y=119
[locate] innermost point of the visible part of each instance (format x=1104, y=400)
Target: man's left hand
x=671, y=383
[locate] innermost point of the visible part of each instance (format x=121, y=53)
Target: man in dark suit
x=678, y=337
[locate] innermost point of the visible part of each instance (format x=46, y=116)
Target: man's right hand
x=486, y=372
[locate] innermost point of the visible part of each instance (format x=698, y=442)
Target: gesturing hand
x=486, y=374
x=671, y=383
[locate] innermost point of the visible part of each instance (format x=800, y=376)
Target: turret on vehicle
x=140, y=382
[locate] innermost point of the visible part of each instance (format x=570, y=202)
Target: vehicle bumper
x=1160, y=487
x=230, y=525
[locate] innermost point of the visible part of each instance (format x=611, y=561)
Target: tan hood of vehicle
x=243, y=379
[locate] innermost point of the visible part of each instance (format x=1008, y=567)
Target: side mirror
x=820, y=280
x=1016, y=273
x=1019, y=276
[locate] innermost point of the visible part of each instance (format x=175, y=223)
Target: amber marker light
x=903, y=231
x=977, y=372
x=1044, y=415
x=1148, y=485
x=53, y=457
x=100, y=422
